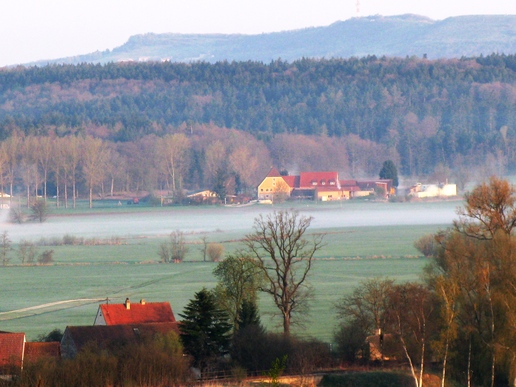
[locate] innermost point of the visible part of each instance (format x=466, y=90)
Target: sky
x=33, y=30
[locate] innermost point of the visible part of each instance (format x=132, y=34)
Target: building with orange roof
x=137, y=313
x=12, y=350
x=275, y=186
x=324, y=186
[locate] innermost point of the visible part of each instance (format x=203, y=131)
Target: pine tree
x=389, y=171
x=248, y=315
x=205, y=329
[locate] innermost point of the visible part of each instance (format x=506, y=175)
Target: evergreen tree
x=250, y=347
x=389, y=171
x=204, y=329
x=248, y=315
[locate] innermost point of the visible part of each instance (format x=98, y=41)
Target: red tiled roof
x=273, y=173
x=138, y=313
x=11, y=348
x=292, y=181
x=35, y=351
x=314, y=179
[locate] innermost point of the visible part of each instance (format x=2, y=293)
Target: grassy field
x=37, y=299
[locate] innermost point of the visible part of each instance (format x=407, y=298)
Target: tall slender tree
x=94, y=157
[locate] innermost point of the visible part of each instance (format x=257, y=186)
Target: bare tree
x=204, y=249
x=44, y=155
x=5, y=247
x=11, y=148
x=39, y=210
x=94, y=157
x=71, y=147
x=175, y=249
x=285, y=256
x=26, y=251
x=174, y=149
x=409, y=316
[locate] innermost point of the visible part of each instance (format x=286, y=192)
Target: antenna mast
x=357, y=5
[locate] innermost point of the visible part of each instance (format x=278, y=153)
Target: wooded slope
x=423, y=112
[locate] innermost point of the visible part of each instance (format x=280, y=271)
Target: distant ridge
x=400, y=36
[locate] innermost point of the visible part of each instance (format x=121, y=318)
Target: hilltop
x=392, y=36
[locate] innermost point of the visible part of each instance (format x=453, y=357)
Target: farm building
x=323, y=186
x=433, y=190
x=15, y=351
x=137, y=313
x=111, y=337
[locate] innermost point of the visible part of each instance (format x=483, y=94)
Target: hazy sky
x=47, y=29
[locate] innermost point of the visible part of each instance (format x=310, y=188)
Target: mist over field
x=365, y=239
x=193, y=220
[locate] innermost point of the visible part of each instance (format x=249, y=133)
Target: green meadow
x=37, y=299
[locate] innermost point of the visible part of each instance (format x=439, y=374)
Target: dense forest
x=425, y=115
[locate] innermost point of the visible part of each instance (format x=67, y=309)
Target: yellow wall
x=332, y=195
x=271, y=186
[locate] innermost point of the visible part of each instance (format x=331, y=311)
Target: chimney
x=127, y=304
x=142, y=301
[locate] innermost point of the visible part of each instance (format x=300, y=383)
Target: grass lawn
x=37, y=299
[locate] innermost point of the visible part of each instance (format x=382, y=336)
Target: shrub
x=426, y=245
x=215, y=251
x=16, y=215
x=39, y=211
x=46, y=257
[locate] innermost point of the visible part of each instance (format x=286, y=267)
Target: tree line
x=425, y=113
x=228, y=162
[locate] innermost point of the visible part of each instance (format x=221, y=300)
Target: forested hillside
x=347, y=115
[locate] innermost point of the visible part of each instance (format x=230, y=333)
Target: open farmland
x=364, y=239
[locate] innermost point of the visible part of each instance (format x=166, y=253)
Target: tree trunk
x=445, y=359
x=45, y=187
x=57, y=192
x=469, y=362
x=422, y=366
x=286, y=324
x=73, y=192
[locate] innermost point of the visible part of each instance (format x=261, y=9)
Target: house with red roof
x=12, y=350
x=15, y=351
x=111, y=337
x=117, y=325
x=275, y=186
x=324, y=186
x=134, y=313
